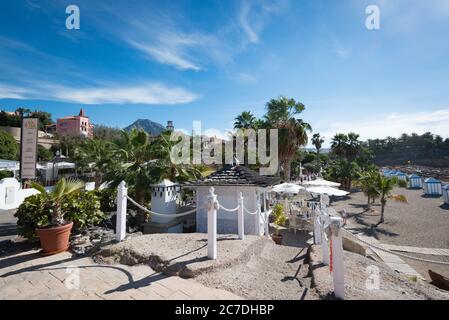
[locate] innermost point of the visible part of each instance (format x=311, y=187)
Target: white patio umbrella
x=321, y=183
x=287, y=188
x=327, y=190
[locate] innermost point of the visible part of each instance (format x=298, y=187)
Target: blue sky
x=210, y=60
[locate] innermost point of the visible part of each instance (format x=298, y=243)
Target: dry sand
x=422, y=222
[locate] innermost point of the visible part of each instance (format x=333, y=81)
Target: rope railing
x=229, y=210
x=396, y=253
x=174, y=215
x=251, y=213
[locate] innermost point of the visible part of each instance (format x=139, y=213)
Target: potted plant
x=54, y=237
x=279, y=222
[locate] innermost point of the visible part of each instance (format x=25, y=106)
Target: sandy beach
x=421, y=222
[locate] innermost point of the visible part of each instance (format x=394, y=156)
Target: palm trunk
x=57, y=218
x=382, y=210
x=97, y=179
x=287, y=169
x=140, y=198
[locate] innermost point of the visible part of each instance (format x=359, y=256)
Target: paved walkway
x=8, y=225
x=391, y=260
x=27, y=275
x=427, y=251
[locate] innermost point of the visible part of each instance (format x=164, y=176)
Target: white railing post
x=325, y=239
x=317, y=230
x=267, y=222
x=120, y=228
x=337, y=258
x=241, y=218
x=212, y=207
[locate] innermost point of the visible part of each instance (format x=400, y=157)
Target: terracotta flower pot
x=277, y=238
x=55, y=239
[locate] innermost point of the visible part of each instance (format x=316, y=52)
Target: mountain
x=149, y=126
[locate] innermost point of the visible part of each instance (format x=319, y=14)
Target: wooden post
x=120, y=230
x=212, y=224
x=241, y=218
x=337, y=258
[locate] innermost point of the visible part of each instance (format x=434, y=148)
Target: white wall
x=11, y=195
x=227, y=221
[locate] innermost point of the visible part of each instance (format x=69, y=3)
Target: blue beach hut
x=432, y=187
x=446, y=194
x=415, y=181
x=401, y=176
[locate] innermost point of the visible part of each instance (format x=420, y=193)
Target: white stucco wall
x=227, y=221
x=11, y=195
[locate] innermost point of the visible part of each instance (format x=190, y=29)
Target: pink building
x=75, y=126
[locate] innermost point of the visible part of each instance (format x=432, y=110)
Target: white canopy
x=327, y=190
x=321, y=182
x=287, y=188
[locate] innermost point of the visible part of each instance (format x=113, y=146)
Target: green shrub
x=402, y=183
x=6, y=174
x=82, y=208
x=279, y=217
x=107, y=199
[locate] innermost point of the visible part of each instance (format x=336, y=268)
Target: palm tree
x=384, y=187
x=56, y=196
x=96, y=155
x=246, y=120
x=281, y=114
x=317, y=141
x=367, y=182
x=339, y=145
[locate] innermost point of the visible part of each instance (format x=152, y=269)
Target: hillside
x=149, y=126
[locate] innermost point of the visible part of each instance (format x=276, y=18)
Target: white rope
x=229, y=210
x=160, y=214
x=252, y=213
x=396, y=253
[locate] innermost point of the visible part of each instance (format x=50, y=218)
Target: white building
x=432, y=187
x=228, y=182
x=445, y=190
x=415, y=181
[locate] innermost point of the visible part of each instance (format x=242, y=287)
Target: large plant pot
x=55, y=239
x=277, y=238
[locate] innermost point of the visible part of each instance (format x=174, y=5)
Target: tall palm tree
x=317, y=141
x=60, y=191
x=367, y=182
x=384, y=187
x=281, y=114
x=95, y=155
x=246, y=120
x=339, y=145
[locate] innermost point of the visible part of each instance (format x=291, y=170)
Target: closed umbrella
x=321, y=182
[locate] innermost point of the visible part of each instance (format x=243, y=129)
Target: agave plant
x=56, y=196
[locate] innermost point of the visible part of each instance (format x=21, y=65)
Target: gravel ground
x=422, y=222
x=255, y=268
x=392, y=285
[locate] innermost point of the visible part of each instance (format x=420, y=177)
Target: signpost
x=28, y=148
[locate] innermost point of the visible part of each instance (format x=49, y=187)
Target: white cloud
x=166, y=55
x=253, y=37
x=153, y=93
x=394, y=124
x=10, y=92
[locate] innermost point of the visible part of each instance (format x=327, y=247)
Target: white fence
x=327, y=233
x=212, y=206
